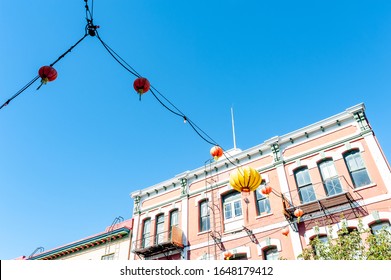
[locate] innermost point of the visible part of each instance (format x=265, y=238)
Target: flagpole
x=233, y=127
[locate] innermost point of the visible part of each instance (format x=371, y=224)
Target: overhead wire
x=37, y=77
x=91, y=29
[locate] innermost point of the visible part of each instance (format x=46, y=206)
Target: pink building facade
x=334, y=170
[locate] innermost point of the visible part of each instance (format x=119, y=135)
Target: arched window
x=377, y=227
x=304, y=185
x=159, y=238
x=232, y=205
x=330, y=178
x=204, y=216
x=173, y=219
x=145, y=239
x=323, y=240
x=232, y=211
x=270, y=253
x=357, y=169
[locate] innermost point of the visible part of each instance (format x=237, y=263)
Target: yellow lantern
x=245, y=179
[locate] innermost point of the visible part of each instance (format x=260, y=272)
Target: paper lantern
x=47, y=74
x=245, y=179
x=266, y=190
x=216, y=152
x=141, y=85
x=298, y=213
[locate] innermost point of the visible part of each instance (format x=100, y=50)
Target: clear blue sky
x=72, y=152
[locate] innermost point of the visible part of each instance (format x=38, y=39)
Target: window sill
x=204, y=232
x=263, y=215
x=365, y=187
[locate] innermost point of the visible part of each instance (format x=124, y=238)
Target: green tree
x=356, y=244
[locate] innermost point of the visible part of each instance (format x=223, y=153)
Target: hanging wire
x=37, y=77
x=117, y=58
x=154, y=90
x=19, y=92
x=91, y=29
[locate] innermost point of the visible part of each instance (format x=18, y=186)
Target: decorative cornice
x=82, y=244
x=270, y=147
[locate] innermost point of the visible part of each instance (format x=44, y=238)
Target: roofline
x=337, y=119
x=125, y=230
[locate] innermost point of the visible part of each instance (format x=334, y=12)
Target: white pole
x=233, y=127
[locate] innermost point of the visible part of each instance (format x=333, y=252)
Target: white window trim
x=241, y=249
x=268, y=243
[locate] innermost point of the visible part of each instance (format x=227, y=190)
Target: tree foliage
x=351, y=244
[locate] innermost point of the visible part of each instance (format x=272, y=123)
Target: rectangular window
x=304, y=185
x=330, y=178
x=204, y=216
x=357, y=169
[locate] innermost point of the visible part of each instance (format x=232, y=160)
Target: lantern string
x=69, y=50
x=164, y=105
x=153, y=89
x=119, y=59
x=37, y=77
x=91, y=29
x=20, y=91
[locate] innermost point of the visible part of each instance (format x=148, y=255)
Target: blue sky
x=72, y=152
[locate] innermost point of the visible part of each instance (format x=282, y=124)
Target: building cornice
x=270, y=147
x=83, y=244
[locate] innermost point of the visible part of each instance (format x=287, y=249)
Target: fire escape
x=322, y=208
x=167, y=242
x=215, y=235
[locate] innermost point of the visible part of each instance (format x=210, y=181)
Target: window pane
x=204, y=216
x=174, y=218
x=327, y=169
x=238, y=208
x=271, y=254
x=360, y=178
x=159, y=229
x=376, y=228
x=354, y=161
x=205, y=224
x=204, y=208
x=332, y=186
x=264, y=206
x=263, y=203
x=108, y=257
x=302, y=177
x=227, y=211
x=307, y=194
x=146, y=233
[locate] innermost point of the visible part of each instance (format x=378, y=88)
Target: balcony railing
x=320, y=197
x=161, y=242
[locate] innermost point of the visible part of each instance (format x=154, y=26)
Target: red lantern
x=141, y=85
x=298, y=213
x=47, y=74
x=285, y=231
x=228, y=256
x=266, y=190
x=216, y=152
